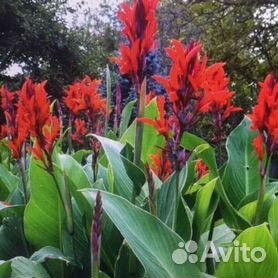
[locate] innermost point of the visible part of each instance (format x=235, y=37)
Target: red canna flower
x=84, y=97
x=35, y=113
x=44, y=145
x=181, y=84
x=201, y=168
x=80, y=131
x=259, y=147
x=140, y=29
x=217, y=96
x=15, y=129
x=3, y=132
x=265, y=118
x=34, y=107
x=161, y=124
x=161, y=165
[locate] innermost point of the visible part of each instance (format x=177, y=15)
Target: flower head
x=161, y=124
x=140, y=28
x=201, y=168
x=84, y=97
x=265, y=117
x=15, y=128
x=80, y=131
x=161, y=164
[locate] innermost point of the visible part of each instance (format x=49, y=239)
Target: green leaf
x=249, y=210
x=119, y=180
x=42, y=219
x=50, y=253
x=206, y=203
x=242, y=175
x=12, y=240
x=125, y=117
x=151, y=139
x=151, y=241
x=74, y=171
x=166, y=195
x=273, y=221
x=255, y=237
x=5, y=269
x=20, y=267
x=205, y=152
x=8, y=182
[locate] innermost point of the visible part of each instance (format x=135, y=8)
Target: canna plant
x=80, y=200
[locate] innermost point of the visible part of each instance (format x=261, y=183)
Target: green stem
x=262, y=190
x=177, y=201
x=139, y=129
x=70, y=135
x=108, y=98
x=95, y=269
x=209, y=261
x=24, y=180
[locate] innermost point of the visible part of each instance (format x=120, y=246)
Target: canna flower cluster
x=14, y=129
x=87, y=108
x=217, y=98
x=44, y=128
x=194, y=90
x=265, y=118
x=28, y=115
x=140, y=29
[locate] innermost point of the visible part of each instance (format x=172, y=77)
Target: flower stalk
x=96, y=232
x=152, y=191
x=139, y=130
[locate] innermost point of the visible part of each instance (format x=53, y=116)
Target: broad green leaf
x=166, y=195
x=127, y=265
x=50, y=253
x=5, y=269
x=273, y=221
x=151, y=139
x=43, y=218
x=12, y=240
x=125, y=117
x=222, y=235
x=206, y=203
x=247, y=266
x=74, y=171
x=119, y=178
x=242, y=175
x=151, y=241
x=204, y=151
x=20, y=267
x=249, y=210
x=8, y=182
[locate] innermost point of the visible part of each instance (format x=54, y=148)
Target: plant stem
x=24, y=180
x=139, y=129
x=209, y=261
x=177, y=201
x=69, y=135
x=108, y=99
x=261, y=195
